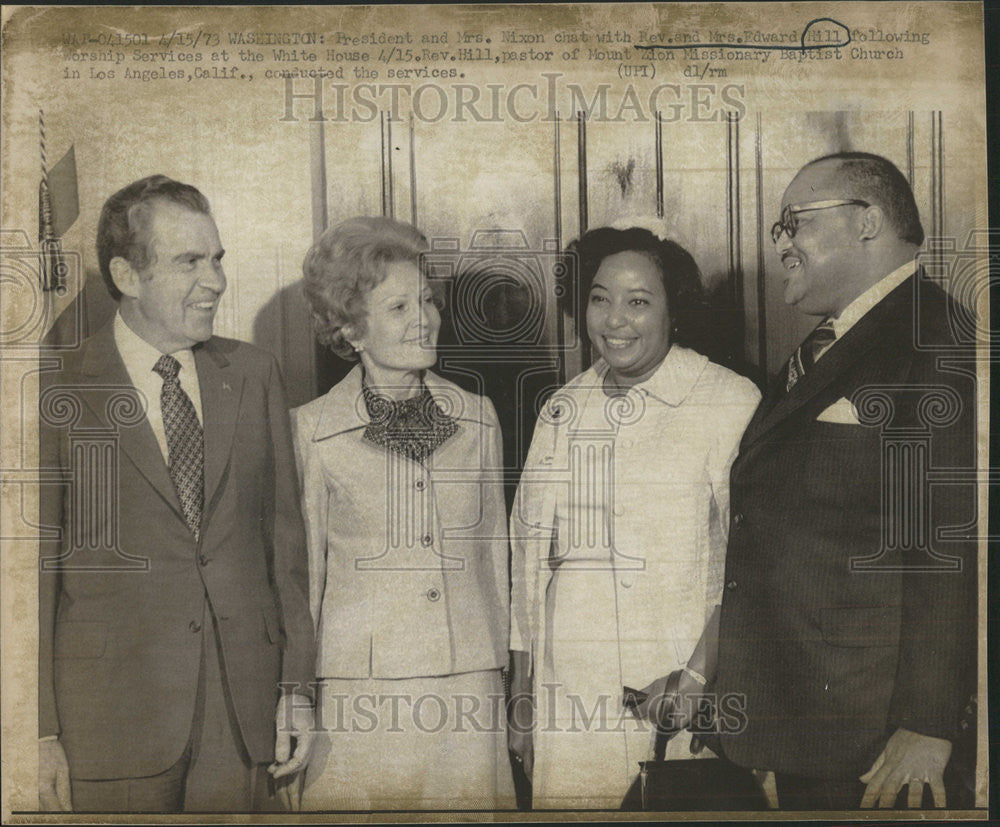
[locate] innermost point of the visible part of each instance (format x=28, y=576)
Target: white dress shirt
x=139, y=357
x=852, y=314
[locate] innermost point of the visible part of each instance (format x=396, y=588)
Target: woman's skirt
x=427, y=743
x=587, y=744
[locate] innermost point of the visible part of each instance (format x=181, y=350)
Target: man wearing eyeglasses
x=848, y=626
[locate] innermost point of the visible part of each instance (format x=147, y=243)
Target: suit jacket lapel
x=870, y=330
x=104, y=368
x=221, y=389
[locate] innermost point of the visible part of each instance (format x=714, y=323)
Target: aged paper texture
x=502, y=132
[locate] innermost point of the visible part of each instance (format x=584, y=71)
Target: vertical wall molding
x=557, y=203
x=761, y=274
x=317, y=178
x=936, y=244
x=581, y=152
x=937, y=174
x=389, y=176
x=658, y=143
x=581, y=156
x=320, y=220
x=385, y=205
x=413, y=174
x=388, y=195
x=909, y=148
x=733, y=209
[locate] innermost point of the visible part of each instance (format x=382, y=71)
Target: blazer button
x=420, y=485
x=731, y=585
x=194, y=626
x=203, y=560
x=427, y=540
x=738, y=519
x=433, y=595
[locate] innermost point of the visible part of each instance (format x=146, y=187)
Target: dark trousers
x=796, y=792
x=214, y=773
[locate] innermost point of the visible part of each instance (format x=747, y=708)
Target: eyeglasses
x=789, y=224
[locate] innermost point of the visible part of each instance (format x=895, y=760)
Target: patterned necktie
x=184, y=442
x=805, y=355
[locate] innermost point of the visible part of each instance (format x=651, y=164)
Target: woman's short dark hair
x=678, y=270
x=123, y=228
x=345, y=265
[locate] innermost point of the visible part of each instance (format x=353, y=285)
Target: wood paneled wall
x=714, y=187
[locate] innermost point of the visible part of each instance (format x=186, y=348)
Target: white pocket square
x=841, y=412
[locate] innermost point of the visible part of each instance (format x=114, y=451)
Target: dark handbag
x=692, y=784
x=696, y=784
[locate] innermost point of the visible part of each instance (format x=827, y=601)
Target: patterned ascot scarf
x=413, y=427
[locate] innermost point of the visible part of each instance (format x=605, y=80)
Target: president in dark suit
x=174, y=620
x=848, y=625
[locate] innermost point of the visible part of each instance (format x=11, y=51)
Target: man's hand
x=53, y=777
x=908, y=758
x=294, y=719
x=520, y=736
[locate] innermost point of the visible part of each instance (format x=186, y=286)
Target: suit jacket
x=847, y=613
x=407, y=560
x=123, y=582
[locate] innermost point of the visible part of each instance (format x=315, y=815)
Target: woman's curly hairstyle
x=345, y=265
x=678, y=270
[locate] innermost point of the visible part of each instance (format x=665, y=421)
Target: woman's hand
x=521, y=717
x=671, y=701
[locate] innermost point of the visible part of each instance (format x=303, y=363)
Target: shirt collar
x=139, y=355
x=852, y=314
x=673, y=380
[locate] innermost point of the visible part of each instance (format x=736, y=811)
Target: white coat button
x=626, y=584
x=618, y=510
x=427, y=540
x=420, y=485
x=433, y=595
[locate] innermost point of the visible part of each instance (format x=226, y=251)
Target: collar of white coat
x=344, y=406
x=673, y=381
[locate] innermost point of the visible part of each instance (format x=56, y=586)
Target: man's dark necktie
x=184, y=442
x=805, y=355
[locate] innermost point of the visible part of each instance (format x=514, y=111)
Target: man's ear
x=125, y=277
x=872, y=223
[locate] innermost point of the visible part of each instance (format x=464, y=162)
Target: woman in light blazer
x=618, y=532
x=402, y=491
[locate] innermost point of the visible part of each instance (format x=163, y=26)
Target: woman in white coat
x=402, y=492
x=619, y=527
